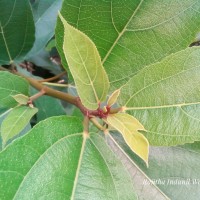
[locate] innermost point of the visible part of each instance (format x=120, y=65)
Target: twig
x=53, y=78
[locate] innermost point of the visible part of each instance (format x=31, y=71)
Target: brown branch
x=53, y=78
x=49, y=91
x=66, y=97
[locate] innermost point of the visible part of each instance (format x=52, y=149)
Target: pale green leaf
x=11, y=85
x=113, y=98
x=129, y=127
x=17, y=30
x=53, y=161
x=21, y=99
x=164, y=97
x=132, y=34
x=85, y=65
x=16, y=121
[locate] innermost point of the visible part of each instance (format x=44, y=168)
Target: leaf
x=85, y=65
x=21, y=99
x=16, y=30
x=137, y=173
x=45, y=15
x=16, y=121
x=164, y=97
x=173, y=169
x=132, y=34
x=113, y=98
x=129, y=127
x=11, y=85
x=53, y=161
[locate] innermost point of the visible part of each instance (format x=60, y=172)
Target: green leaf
x=54, y=161
x=164, y=97
x=129, y=127
x=137, y=172
x=16, y=121
x=45, y=15
x=173, y=169
x=21, y=99
x=11, y=85
x=16, y=30
x=133, y=34
x=85, y=65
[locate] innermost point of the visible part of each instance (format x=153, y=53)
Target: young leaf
x=165, y=98
x=54, y=161
x=85, y=65
x=16, y=121
x=11, y=85
x=132, y=34
x=17, y=30
x=129, y=126
x=113, y=98
x=21, y=99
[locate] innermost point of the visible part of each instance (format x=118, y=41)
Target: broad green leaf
x=164, y=97
x=85, y=65
x=175, y=170
x=54, y=161
x=16, y=121
x=132, y=34
x=21, y=99
x=113, y=98
x=16, y=30
x=45, y=15
x=11, y=85
x=129, y=127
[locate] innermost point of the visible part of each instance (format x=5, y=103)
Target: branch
x=67, y=97
x=53, y=78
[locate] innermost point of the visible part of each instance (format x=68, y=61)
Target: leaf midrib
x=4, y=39
x=78, y=168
